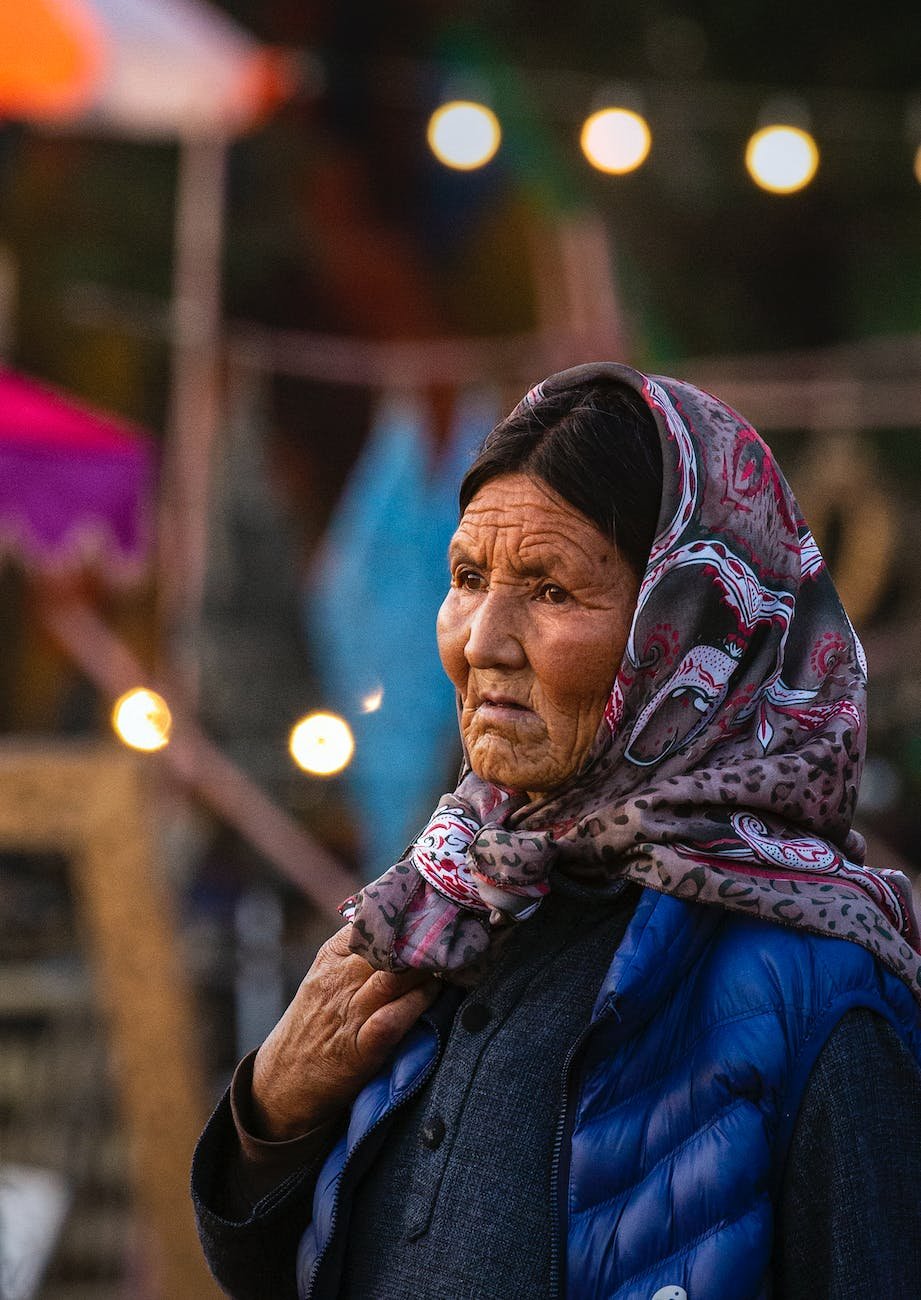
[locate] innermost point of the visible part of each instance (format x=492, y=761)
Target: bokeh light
x=616, y=140
x=141, y=719
x=321, y=744
x=371, y=702
x=463, y=134
x=782, y=159
x=917, y=165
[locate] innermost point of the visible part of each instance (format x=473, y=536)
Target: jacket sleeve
x=252, y=1199
x=849, y=1218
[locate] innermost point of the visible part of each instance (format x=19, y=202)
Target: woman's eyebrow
x=458, y=554
x=550, y=561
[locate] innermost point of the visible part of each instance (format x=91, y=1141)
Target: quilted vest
x=679, y=1101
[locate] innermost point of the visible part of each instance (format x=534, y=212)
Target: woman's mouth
x=502, y=708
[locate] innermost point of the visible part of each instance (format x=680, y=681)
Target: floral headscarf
x=726, y=766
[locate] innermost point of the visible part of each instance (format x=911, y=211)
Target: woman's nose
x=494, y=639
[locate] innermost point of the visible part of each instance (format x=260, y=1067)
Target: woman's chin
x=505, y=772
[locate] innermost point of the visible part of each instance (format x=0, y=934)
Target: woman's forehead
x=523, y=501
x=527, y=519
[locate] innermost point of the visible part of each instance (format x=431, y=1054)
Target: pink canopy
x=75, y=485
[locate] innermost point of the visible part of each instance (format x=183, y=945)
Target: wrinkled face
x=532, y=631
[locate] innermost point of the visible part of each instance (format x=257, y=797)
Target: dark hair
x=598, y=447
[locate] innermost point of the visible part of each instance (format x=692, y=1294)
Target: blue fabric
x=432, y=1218
x=370, y=615
x=680, y=1105
x=378, y=1099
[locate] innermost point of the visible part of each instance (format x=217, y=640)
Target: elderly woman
x=629, y=1018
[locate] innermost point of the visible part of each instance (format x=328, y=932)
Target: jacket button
x=475, y=1017
x=433, y=1131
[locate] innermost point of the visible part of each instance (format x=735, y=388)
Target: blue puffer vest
x=678, y=1105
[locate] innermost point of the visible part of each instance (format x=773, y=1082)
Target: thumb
x=386, y=1026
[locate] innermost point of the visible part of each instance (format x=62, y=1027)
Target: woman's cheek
x=577, y=671
x=450, y=635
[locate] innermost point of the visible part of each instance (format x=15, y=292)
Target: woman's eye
x=470, y=580
x=553, y=594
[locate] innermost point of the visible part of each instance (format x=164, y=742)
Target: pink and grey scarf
x=726, y=766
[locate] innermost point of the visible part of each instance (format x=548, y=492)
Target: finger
x=388, y=1024
x=384, y=986
x=336, y=954
x=337, y=945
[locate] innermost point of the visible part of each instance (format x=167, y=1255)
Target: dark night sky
x=713, y=263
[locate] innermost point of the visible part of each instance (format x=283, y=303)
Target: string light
x=321, y=744
x=616, y=140
x=141, y=719
x=464, y=134
x=676, y=46
x=782, y=159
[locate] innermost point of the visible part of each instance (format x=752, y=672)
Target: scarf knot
x=477, y=877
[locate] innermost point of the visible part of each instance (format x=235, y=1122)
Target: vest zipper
x=417, y=1085
x=561, y=1144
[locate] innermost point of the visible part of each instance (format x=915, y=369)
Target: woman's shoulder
x=749, y=965
x=853, y=1161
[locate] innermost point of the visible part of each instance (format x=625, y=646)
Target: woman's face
x=532, y=631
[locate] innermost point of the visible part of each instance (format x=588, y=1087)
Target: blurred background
x=268, y=272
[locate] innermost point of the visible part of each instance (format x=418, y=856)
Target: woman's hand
x=342, y=1023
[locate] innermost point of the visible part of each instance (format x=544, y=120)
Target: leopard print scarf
x=725, y=769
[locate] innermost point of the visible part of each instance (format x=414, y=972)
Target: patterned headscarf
x=726, y=766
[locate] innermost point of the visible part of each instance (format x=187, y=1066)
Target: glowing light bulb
x=373, y=700
x=321, y=744
x=464, y=135
x=782, y=159
x=917, y=166
x=616, y=140
x=141, y=719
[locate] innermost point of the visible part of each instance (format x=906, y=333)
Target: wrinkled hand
x=341, y=1025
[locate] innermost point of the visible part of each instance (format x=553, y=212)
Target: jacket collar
x=661, y=942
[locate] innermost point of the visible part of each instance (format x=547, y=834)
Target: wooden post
x=87, y=801
x=195, y=405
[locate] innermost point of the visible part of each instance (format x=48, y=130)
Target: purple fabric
x=75, y=488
